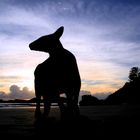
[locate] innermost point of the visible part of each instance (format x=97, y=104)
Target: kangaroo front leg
x=37, y=110
x=38, y=100
x=75, y=106
x=47, y=106
x=72, y=104
x=62, y=108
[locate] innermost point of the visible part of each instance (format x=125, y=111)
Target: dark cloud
x=25, y=93
x=3, y=95
x=17, y=93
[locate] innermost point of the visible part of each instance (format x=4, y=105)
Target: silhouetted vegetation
x=129, y=93
x=89, y=100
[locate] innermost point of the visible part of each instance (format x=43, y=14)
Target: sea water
x=21, y=105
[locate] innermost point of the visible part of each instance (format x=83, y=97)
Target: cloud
x=93, y=82
x=6, y=80
x=17, y=93
x=9, y=77
x=104, y=36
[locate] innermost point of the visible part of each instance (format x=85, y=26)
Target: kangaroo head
x=47, y=43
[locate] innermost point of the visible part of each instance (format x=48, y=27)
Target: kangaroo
x=57, y=75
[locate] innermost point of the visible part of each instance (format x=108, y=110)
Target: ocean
x=21, y=105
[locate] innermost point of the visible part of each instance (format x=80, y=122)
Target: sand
x=96, y=121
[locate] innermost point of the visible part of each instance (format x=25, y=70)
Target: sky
x=102, y=34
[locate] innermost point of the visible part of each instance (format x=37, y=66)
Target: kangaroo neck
x=56, y=51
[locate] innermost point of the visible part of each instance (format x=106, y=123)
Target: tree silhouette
x=130, y=92
x=134, y=74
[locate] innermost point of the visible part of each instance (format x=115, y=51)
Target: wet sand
x=95, y=121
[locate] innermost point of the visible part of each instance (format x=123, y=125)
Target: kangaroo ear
x=58, y=33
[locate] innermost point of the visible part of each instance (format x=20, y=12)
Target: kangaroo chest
x=53, y=69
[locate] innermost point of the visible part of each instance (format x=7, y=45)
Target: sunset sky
x=102, y=34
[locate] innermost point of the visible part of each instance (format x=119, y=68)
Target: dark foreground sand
x=95, y=122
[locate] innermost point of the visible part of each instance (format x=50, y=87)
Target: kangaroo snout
x=31, y=46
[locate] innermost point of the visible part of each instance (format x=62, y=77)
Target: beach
x=97, y=121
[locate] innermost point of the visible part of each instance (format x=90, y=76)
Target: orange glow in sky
x=104, y=39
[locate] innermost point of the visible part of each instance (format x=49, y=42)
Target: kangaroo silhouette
x=56, y=75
